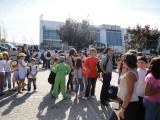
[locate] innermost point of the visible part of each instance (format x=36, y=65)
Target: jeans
x=29, y=83
x=152, y=110
x=106, y=83
x=91, y=82
x=48, y=63
x=7, y=79
x=81, y=85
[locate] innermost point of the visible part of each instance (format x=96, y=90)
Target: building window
x=50, y=35
x=113, y=38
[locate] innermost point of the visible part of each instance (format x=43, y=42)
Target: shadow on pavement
x=73, y=109
x=15, y=101
x=90, y=110
x=49, y=109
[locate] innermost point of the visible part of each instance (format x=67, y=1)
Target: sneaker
x=9, y=89
x=19, y=92
x=29, y=92
x=93, y=97
x=35, y=90
x=85, y=98
x=14, y=89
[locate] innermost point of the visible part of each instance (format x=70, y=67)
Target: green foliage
x=76, y=33
x=143, y=38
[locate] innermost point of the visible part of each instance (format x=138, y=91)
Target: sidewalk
x=40, y=106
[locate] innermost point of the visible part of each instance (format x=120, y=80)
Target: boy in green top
x=61, y=71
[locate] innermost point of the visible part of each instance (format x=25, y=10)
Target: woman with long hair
x=26, y=51
x=71, y=62
x=127, y=88
x=151, y=99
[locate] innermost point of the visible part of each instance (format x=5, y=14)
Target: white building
x=111, y=35
x=48, y=33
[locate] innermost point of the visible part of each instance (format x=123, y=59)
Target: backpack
x=112, y=92
x=51, y=77
x=104, y=66
x=42, y=56
x=48, y=54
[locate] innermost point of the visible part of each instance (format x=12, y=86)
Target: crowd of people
x=139, y=77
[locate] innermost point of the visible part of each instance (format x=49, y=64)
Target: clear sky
x=21, y=17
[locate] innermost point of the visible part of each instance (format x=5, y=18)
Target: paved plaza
x=41, y=106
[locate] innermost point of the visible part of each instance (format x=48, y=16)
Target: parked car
x=2, y=48
x=7, y=45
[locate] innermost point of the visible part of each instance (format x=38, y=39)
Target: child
x=32, y=75
x=15, y=78
x=61, y=71
x=79, y=81
x=2, y=74
x=142, y=71
x=7, y=82
x=22, y=66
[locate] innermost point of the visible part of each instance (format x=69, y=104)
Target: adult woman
x=127, y=91
x=151, y=99
x=71, y=62
x=26, y=51
x=2, y=74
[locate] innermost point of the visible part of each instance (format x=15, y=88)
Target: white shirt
x=22, y=69
x=123, y=89
x=33, y=71
x=2, y=64
x=8, y=66
x=141, y=82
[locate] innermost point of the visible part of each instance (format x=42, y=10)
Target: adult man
x=106, y=74
x=47, y=55
x=92, y=73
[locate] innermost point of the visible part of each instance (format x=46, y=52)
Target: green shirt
x=61, y=70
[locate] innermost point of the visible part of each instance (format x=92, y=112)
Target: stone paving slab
x=41, y=106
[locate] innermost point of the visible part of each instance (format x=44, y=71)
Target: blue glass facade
x=50, y=35
x=114, y=37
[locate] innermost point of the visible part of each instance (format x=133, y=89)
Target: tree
x=3, y=35
x=143, y=38
x=76, y=34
